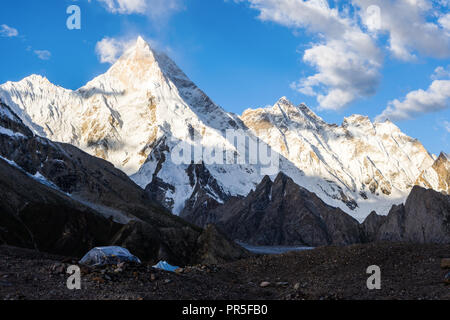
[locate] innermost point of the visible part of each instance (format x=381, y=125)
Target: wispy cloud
x=444, y=21
x=125, y=6
x=447, y=126
x=441, y=73
x=43, y=54
x=110, y=49
x=7, y=31
x=435, y=98
x=154, y=9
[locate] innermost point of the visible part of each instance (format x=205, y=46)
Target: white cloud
x=43, y=54
x=110, y=49
x=435, y=98
x=447, y=126
x=155, y=9
x=344, y=74
x=444, y=21
x=7, y=31
x=346, y=59
x=125, y=6
x=411, y=27
x=441, y=73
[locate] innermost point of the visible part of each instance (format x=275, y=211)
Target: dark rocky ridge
x=281, y=213
x=424, y=218
x=371, y=226
x=33, y=215
x=205, y=196
x=87, y=202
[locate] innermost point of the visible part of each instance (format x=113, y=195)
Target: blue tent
x=163, y=265
x=108, y=255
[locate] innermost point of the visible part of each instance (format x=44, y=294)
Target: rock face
x=212, y=249
x=282, y=213
x=207, y=195
x=425, y=218
x=33, y=215
x=58, y=199
x=138, y=112
x=372, y=224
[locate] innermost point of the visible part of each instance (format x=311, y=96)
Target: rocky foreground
x=409, y=271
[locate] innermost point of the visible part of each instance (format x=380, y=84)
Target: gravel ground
x=409, y=271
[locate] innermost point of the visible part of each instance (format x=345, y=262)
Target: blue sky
x=340, y=57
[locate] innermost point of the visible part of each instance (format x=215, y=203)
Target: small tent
x=163, y=265
x=108, y=255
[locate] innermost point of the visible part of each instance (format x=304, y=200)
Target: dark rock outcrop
x=33, y=215
x=214, y=247
x=283, y=213
x=207, y=195
x=180, y=246
x=371, y=225
x=425, y=218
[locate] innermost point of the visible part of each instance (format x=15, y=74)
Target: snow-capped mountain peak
x=136, y=70
x=362, y=162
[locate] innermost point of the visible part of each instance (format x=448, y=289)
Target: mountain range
x=137, y=114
